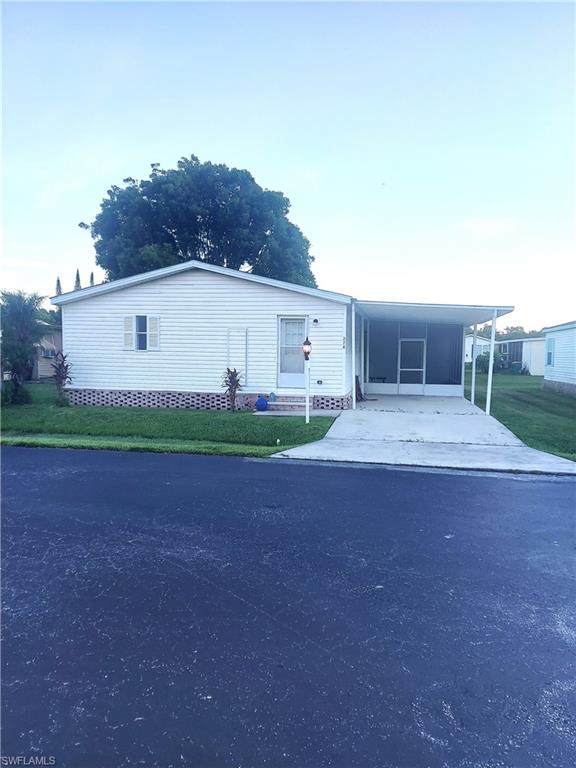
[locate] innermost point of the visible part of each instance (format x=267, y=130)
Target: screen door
x=411, y=358
x=291, y=335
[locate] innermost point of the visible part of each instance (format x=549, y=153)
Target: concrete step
x=286, y=402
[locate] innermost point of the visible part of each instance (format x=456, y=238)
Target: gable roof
x=561, y=327
x=157, y=274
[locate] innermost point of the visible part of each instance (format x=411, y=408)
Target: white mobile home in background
x=527, y=352
x=482, y=346
x=560, y=368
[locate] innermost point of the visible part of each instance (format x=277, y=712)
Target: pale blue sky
x=427, y=149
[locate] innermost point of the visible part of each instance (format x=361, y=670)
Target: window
x=142, y=333
x=550, y=344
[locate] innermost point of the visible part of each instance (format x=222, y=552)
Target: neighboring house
x=164, y=338
x=560, y=368
x=482, y=346
x=49, y=345
x=527, y=352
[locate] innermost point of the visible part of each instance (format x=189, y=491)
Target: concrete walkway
x=446, y=432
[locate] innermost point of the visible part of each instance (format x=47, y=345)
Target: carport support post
x=473, y=384
x=491, y=363
x=353, y=355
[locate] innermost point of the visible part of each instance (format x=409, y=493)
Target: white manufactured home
x=560, y=367
x=481, y=346
x=164, y=338
x=527, y=353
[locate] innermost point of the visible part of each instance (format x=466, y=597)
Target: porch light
x=307, y=348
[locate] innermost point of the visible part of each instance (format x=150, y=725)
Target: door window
x=292, y=334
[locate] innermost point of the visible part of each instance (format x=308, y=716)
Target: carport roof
x=464, y=314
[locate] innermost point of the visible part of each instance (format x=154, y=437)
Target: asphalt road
x=218, y=612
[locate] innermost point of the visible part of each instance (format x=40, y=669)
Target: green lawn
x=542, y=419
x=42, y=423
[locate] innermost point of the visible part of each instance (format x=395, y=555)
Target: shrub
x=14, y=394
x=62, y=376
x=483, y=362
x=231, y=382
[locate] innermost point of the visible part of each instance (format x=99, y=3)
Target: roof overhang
x=158, y=274
x=462, y=314
x=561, y=327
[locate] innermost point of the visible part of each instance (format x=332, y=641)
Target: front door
x=411, y=357
x=292, y=332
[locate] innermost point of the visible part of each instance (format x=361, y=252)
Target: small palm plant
x=62, y=376
x=231, y=382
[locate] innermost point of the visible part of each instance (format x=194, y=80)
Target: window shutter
x=129, y=332
x=153, y=332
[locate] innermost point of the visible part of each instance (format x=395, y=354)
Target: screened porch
x=415, y=349
x=412, y=358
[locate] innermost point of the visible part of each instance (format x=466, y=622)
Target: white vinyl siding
x=208, y=321
x=550, y=348
x=482, y=345
x=237, y=354
x=561, y=355
x=533, y=356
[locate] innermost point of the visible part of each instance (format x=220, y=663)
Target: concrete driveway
x=445, y=432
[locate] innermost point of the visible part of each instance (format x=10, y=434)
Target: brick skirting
x=200, y=401
x=332, y=402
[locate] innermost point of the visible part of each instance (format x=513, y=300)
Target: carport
x=417, y=349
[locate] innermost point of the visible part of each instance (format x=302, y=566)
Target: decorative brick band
x=201, y=401
x=332, y=402
x=131, y=398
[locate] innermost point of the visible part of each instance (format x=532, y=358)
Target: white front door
x=292, y=332
x=411, y=363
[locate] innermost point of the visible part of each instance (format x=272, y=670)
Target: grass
x=542, y=419
x=42, y=423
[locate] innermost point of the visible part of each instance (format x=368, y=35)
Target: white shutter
x=129, y=332
x=153, y=332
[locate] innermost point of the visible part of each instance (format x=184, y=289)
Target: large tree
x=21, y=333
x=199, y=211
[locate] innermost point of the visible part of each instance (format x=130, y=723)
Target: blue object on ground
x=261, y=404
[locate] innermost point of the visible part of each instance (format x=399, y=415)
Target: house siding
x=482, y=345
x=43, y=368
x=533, y=356
x=207, y=321
x=561, y=376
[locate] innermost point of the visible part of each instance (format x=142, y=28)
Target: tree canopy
x=509, y=333
x=201, y=211
x=21, y=332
